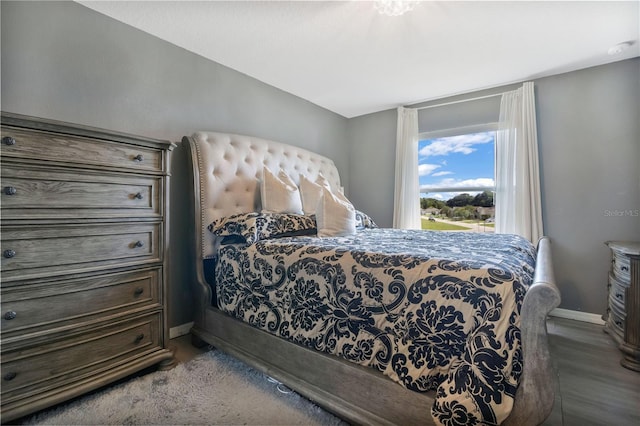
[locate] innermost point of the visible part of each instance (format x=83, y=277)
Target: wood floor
x=592, y=387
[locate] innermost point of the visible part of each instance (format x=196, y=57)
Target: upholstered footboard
x=535, y=395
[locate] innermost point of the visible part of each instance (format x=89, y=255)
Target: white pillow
x=310, y=192
x=335, y=215
x=279, y=193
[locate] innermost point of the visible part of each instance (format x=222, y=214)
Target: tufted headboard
x=227, y=169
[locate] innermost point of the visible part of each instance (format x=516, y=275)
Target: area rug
x=211, y=389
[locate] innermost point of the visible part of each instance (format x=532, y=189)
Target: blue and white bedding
x=431, y=310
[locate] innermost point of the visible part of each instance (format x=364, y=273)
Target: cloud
x=442, y=173
x=450, y=183
x=464, y=144
x=426, y=169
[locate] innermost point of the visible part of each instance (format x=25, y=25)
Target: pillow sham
x=279, y=193
x=243, y=225
x=310, y=193
x=278, y=225
x=252, y=227
x=335, y=215
x=363, y=221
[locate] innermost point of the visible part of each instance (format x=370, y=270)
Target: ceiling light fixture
x=394, y=7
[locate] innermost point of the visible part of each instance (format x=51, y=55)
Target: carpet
x=212, y=388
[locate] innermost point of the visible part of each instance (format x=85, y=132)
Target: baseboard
x=180, y=330
x=577, y=316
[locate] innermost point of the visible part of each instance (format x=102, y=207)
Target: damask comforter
x=431, y=310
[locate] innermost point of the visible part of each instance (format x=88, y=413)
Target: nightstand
x=623, y=319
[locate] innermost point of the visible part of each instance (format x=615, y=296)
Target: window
x=456, y=169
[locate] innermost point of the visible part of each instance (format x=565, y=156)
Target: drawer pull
x=138, y=196
x=138, y=157
x=625, y=268
x=9, y=376
x=138, y=291
x=8, y=140
x=10, y=190
x=618, y=323
x=10, y=315
x=619, y=296
x=139, y=338
x=138, y=244
x=8, y=254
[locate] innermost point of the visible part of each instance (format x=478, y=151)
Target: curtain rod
x=462, y=100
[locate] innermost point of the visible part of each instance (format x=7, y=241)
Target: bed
x=494, y=359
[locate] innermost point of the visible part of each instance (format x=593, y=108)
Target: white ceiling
x=345, y=57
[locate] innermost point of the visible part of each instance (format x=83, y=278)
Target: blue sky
x=456, y=161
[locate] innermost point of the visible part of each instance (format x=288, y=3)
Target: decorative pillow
x=279, y=193
x=252, y=227
x=276, y=225
x=335, y=215
x=243, y=225
x=311, y=192
x=363, y=221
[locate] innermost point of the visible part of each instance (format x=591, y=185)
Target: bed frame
x=226, y=169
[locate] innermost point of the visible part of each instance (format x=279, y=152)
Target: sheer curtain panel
x=518, y=205
x=406, y=212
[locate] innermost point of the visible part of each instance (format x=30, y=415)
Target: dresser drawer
x=616, y=319
x=80, y=151
x=39, y=251
x=36, y=369
x=51, y=304
x=620, y=266
x=39, y=193
x=617, y=290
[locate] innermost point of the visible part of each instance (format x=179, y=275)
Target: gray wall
x=66, y=62
x=63, y=61
x=589, y=141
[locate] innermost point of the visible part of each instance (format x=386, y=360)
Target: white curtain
x=406, y=212
x=518, y=205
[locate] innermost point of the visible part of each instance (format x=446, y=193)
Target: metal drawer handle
x=8, y=140
x=138, y=244
x=139, y=338
x=625, y=268
x=10, y=376
x=138, y=157
x=619, y=296
x=10, y=315
x=138, y=196
x=138, y=291
x=10, y=190
x=619, y=323
x=8, y=254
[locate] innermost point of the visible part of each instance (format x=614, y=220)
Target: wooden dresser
x=623, y=312
x=83, y=279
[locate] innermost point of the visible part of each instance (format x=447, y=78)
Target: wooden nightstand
x=623, y=319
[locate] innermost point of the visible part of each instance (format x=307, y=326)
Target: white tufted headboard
x=227, y=169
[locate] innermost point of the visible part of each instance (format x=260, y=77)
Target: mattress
x=434, y=311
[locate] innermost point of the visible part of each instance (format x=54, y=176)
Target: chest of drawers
x=83, y=245
x=623, y=311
